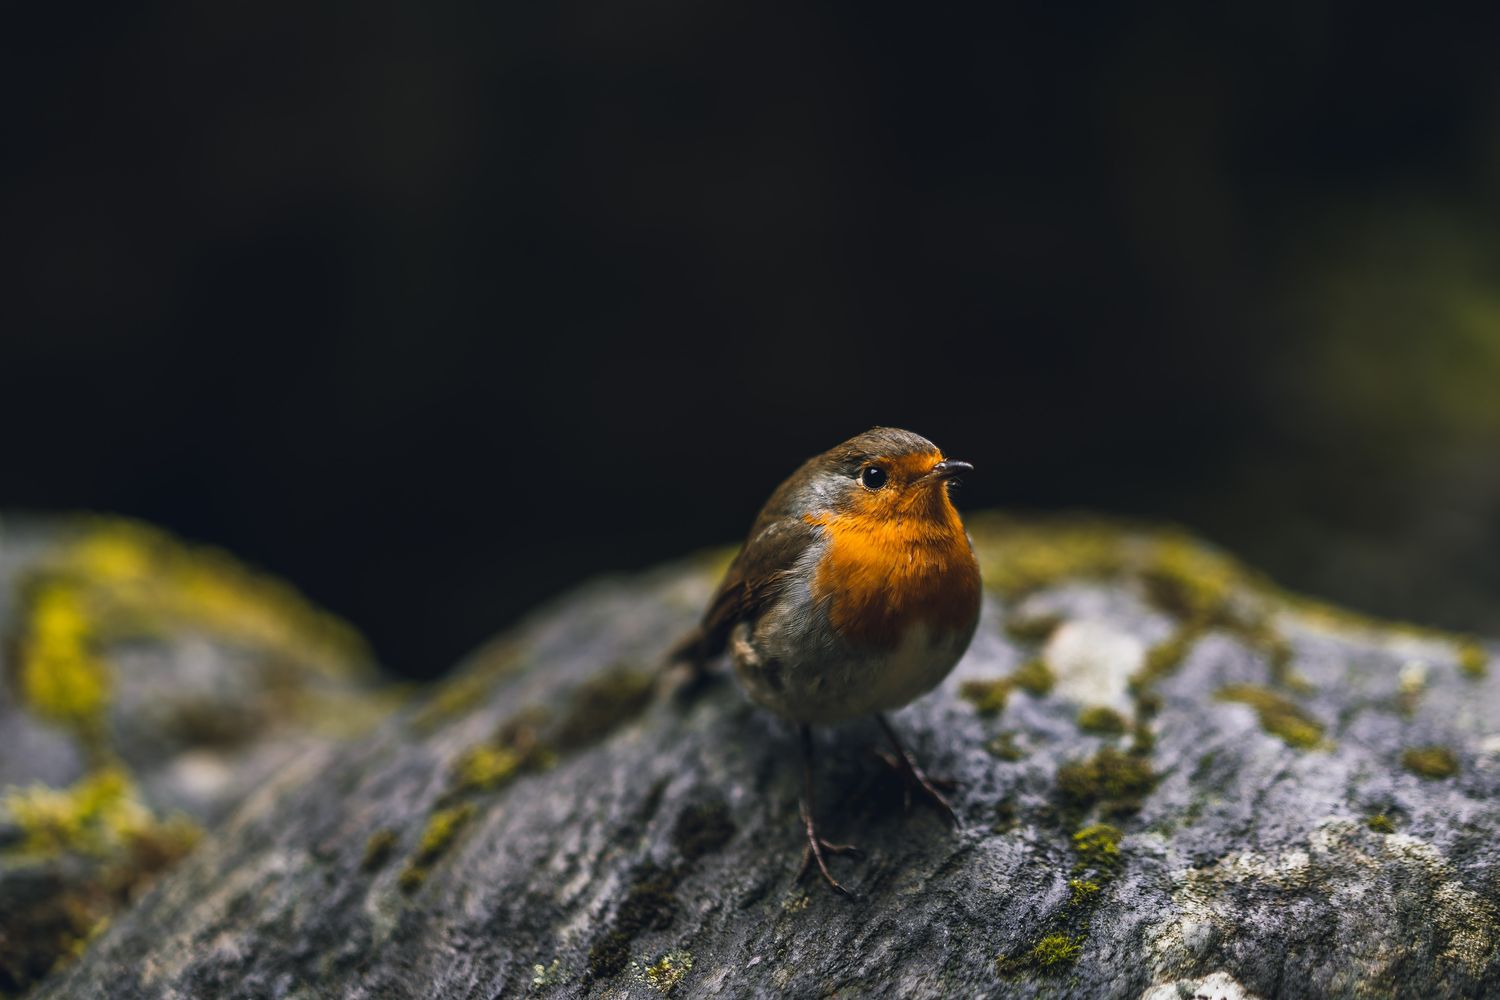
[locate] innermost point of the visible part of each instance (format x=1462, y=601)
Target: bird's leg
x=912, y=774
x=816, y=846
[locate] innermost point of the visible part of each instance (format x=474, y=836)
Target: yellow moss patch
x=1164, y=657
x=120, y=578
x=148, y=578
x=1055, y=948
x=1038, y=628
x=1084, y=890
x=96, y=816
x=1380, y=823
x=61, y=677
x=485, y=767
x=1108, y=776
x=1189, y=581
x=1034, y=677
x=987, y=697
x=1018, y=558
x=1279, y=715
x=442, y=827
x=1101, y=720
x=1473, y=660
x=1004, y=747
x=666, y=973
x=1430, y=761
x=1051, y=950
x=1098, y=846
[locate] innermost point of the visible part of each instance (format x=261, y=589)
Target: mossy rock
x=147, y=686
x=578, y=833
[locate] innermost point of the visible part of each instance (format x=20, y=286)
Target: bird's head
x=886, y=473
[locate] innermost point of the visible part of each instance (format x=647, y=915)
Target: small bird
x=856, y=592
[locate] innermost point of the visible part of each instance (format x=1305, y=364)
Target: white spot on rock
x=1214, y=986
x=1093, y=661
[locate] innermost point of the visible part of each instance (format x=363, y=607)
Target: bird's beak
x=948, y=468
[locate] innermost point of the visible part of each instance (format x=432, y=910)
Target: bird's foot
x=817, y=849
x=914, y=777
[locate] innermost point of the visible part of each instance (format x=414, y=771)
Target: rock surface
x=1174, y=780
x=147, y=686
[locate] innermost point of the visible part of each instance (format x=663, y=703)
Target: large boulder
x=147, y=687
x=1174, y=781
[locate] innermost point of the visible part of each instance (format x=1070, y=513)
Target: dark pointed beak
x=948, y=468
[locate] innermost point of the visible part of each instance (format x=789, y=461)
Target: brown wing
x=752, y=581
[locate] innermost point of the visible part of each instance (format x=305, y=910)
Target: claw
x=914, y=777
x=816, y=846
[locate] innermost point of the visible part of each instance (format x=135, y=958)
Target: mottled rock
x=146, y=687
x=546, y=825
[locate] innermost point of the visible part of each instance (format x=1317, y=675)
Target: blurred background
x=436, y=309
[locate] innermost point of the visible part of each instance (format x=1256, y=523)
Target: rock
x=147, y=687
x=548, y=824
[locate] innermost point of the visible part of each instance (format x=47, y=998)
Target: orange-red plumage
x=900, y=558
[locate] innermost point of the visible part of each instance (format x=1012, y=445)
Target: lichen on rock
x=150, y=685
x=622, y=841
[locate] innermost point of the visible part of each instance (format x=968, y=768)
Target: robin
x=856, y=592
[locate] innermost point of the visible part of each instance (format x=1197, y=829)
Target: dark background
x=436, y=310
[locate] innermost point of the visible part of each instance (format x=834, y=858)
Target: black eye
x=873, y=477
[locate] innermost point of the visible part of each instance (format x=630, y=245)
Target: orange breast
x=881, y=575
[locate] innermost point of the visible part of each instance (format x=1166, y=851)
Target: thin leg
x=816, y=846
x=903, y=762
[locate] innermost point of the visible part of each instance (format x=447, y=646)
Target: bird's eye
x=872, y=477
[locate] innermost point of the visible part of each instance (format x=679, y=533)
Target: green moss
x=1142, y=738
x=1034, y=677
x=1004, y=747
x=485, y=767
x=140, y=578
x=702, y=829
x=1109, y=776
x=378, y=850
x=1380, y=823
x=666, y=973
x=61, y=677
x=100, y=816
x=1020, y=557
x=1279, y=715
x=1190, y=581
x=987, y=697
x=1098, y=846
x=1430, y=761
x=411, y=878
x=1164, y=658
x=1101, y=720
x=649, y=905
x=1084, y=891
x=1055, y=948
x=601, y=705
x=1050, y=951
x=442, y=827
x=109, y=844
x=990, y=697
x=1035, y=629
x=1473, y=661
